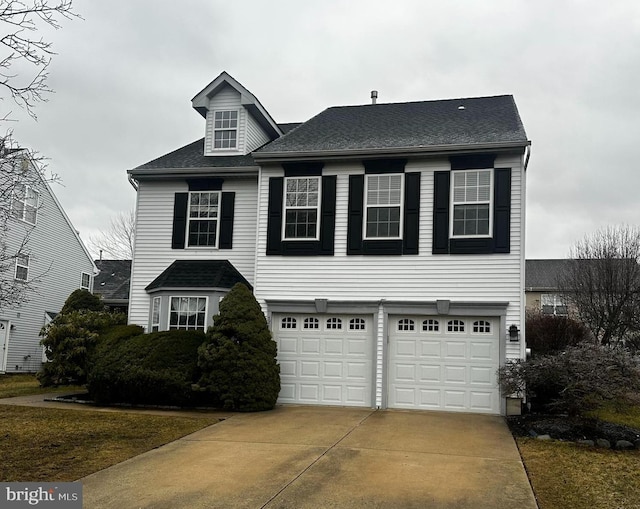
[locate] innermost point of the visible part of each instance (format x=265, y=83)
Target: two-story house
x=51, y=261
x=385, y=243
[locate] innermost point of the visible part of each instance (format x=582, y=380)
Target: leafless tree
x=602, y=283
x=20, y=21
x=116, y=242
x=22, y=172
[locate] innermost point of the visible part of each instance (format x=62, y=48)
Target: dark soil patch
x=571, y=428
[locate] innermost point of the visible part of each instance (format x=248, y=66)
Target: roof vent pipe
x=374, y=96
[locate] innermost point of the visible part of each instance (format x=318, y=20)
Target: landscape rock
x=604, y=443
x=543, y=437
x=589, y=443
x=624, y=445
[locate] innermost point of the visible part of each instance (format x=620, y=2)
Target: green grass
x=27, y=384
x=566, y=475
x=46, y=444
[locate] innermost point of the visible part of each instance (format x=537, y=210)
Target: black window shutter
x=411, y=232
x=441, y=212
x=179, y=220
x=274, y=216
x=226, y=220
x=328, y=215
x=356, y=204
x=502, y=211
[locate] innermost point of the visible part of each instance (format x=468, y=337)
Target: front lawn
x=45, y=444
x=567, y=475
x=26, y=385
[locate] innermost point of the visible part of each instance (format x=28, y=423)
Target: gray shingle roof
x=484, y=120
x=199, y=274
x=543, y=274
x=192, y=156
x=112, y=283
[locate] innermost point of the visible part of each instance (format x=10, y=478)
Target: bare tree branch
x=23, y=19
x=603, y=283
x=117, y=240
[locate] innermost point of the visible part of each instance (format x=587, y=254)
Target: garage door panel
x=333, y=346
x=430, y=373
x=333, y=369
x=310, y=346
x=455, y=350
x=310, y=369
x=405, y=347
x=328, y=365
x=288, y=368
x=452, y=368
x=430, y=349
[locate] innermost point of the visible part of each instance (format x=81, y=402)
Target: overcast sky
x=125, y=75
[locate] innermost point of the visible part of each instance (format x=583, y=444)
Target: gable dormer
x=236, y=122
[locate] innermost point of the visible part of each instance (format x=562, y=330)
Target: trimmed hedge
x=157, y=368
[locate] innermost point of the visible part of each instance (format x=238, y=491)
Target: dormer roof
x=201, y=102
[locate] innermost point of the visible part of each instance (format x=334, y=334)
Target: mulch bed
x=573, y=429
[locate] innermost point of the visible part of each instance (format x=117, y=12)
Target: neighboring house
x=541, y=286
x=384, y=243
x=54, y=256
x=112, y=282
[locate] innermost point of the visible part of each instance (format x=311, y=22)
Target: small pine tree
x=238, y=360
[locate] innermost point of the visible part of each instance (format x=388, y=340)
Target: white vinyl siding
x=153, y=253
x=425, y=277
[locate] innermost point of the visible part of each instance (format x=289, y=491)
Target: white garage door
x=325, y=359
x=444, y=364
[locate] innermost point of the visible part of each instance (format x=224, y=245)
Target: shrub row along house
x=385, y=243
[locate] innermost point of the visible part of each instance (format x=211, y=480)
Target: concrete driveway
x=317, y=457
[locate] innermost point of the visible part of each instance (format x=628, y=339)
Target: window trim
x=22, y=266
x=205, y=312
x=453, y=203
x=88, y=286
x=222, y=129
x=366, y=206
x=318, y=208
x=155, y=313
x=23, y=202
x=217, y=219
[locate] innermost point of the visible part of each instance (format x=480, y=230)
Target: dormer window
x=225, y=129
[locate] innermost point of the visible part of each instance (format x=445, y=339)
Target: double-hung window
x=225, y=129
x=471, y=203
x=187, y=313
x=302, y=208
x=24, y=204
x=383, y=202
x=85, y=281
x=553, y=304
x=22, y=267
x=203, y=220
x=155, y=314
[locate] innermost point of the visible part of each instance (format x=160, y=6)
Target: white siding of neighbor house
x=423, y=277
x=154, y=223
x=250, y=135
x=59, y=257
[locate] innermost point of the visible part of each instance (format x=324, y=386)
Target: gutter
x=167, y=173
x=132, y=181
x=409, y=151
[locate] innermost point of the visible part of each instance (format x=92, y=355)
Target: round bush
x=157, y=368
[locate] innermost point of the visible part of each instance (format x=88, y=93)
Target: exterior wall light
x=514, y=333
